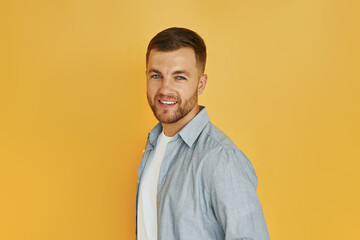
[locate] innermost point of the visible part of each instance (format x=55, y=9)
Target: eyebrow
x=154, y=70
x=174, y=73
x=181, y=72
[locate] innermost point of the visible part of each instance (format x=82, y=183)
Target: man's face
x=173, y=84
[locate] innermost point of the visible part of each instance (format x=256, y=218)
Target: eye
x=155, y=76
x=180, y=78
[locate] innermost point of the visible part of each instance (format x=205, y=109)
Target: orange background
x=283, y=84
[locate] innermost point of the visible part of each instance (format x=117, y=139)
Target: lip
x=166, y=106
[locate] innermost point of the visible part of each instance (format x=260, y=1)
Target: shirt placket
x=144, y=160
x=164, y=169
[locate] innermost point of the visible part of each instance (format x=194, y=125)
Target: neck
x=171, y=129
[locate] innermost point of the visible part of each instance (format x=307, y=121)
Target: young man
x=194, y=183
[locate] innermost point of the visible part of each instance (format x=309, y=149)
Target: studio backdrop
x=283, y=84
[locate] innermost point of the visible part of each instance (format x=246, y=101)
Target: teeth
x=167, y=102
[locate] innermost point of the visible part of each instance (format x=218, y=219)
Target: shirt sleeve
x=234, y=199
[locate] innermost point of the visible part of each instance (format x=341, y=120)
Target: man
x=194, y=183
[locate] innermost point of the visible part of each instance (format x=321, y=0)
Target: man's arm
x=234, y=199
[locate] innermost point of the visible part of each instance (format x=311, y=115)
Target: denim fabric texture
x=207, y=186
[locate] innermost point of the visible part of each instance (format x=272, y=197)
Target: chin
x=168, y=118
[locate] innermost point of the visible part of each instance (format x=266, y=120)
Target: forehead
x=183, y=58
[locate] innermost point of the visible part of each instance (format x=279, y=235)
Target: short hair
x=174, y=38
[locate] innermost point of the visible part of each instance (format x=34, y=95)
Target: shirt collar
x=189, y=133
x=193, y=129
x=154, y=134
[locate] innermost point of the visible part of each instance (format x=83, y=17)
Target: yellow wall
x=283, y=84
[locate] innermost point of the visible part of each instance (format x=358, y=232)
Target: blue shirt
x=207, y=186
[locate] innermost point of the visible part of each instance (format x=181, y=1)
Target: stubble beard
x=172, y=115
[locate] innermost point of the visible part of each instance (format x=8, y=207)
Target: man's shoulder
x=213, y=137
x=219, y=153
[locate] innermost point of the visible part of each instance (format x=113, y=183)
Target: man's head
x=174, y=38
x=175, y=62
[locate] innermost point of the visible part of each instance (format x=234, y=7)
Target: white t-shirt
x=147, y=202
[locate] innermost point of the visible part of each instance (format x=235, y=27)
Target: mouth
x=166, y=104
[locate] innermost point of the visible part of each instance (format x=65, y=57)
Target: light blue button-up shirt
x=207, y=186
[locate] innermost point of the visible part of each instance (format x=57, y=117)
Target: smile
x=167, y=102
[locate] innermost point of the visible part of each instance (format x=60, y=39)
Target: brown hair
x=174, y=38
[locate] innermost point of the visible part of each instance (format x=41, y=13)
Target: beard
x=176, y=113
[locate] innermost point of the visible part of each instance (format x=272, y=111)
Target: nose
x=166, y=85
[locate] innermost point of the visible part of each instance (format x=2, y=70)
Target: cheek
x=187, y=93
x=151, y=89
x=192, y=89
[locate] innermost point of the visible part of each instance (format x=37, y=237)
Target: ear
x=202, y=83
